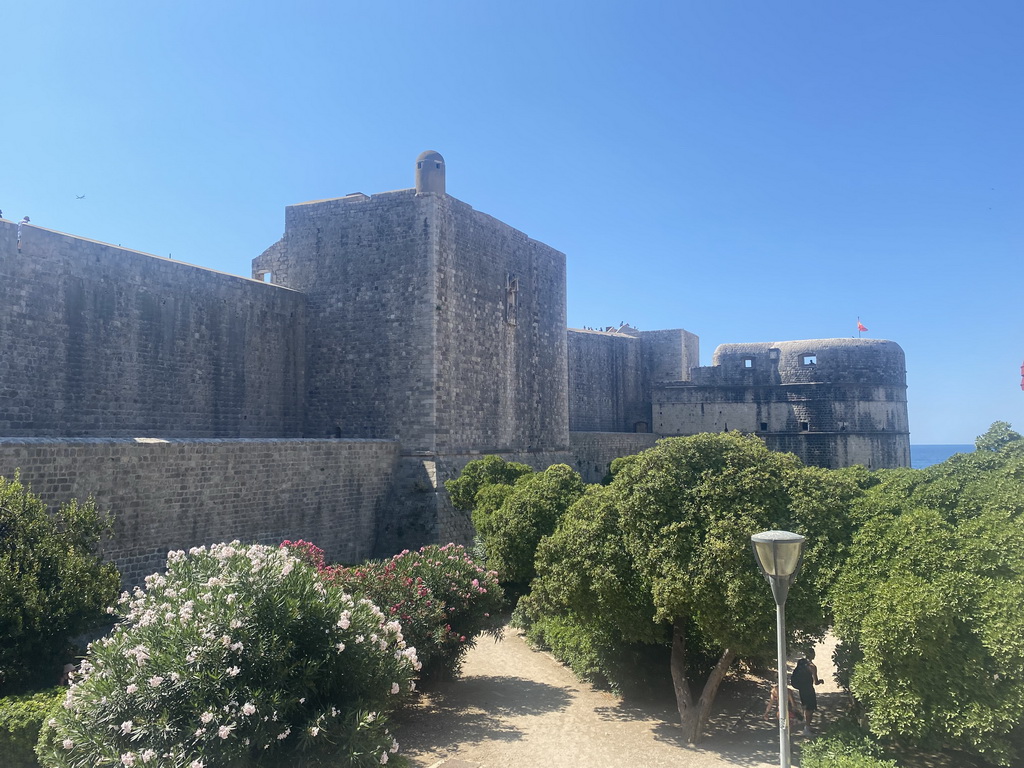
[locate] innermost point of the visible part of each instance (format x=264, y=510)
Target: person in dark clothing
x=804, y=678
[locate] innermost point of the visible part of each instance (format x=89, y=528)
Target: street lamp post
x=779, y=555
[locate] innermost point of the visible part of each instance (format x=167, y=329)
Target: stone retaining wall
x=175, y=494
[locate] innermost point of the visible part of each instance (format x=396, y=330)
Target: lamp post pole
x=779, y=555
x=780, y=642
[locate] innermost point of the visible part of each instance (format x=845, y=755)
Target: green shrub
x=592, y=654
x=489, y=470
x=530, y=513
x=843, y=746
x=21, y=717
x=441, y=597
x=236, y=656
x=53, y=584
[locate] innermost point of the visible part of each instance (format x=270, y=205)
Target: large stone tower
x=428, y=323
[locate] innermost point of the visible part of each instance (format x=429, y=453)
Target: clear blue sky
x=749, y=171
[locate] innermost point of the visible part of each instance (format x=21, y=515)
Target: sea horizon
x=925, y=454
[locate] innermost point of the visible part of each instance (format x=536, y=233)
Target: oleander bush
x=53, y=583
x=237, y=656
x=440, y=595
x=21, y=717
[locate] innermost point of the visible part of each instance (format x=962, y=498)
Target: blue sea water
x=922, y=456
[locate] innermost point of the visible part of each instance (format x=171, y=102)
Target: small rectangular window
x=764, y=426
x=810, y=359
x=805, y=427
x=748, y=362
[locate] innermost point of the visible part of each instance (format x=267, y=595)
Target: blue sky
x=749, y=171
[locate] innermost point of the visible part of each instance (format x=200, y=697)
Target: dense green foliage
x=21, y=717
x=589, y=604
x=663, y=551
x=835, y=753
x=928, y=605
x=490, y=470
x=239, y=655
x=688, y=508
x=53, y=584
x=527, y=514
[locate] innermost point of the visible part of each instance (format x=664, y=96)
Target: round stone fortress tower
x=833, y=402
x=430, y=172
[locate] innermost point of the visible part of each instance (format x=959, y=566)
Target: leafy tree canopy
x=688, y=508
x=480, y=473
x=527, y=514
x=928, y=603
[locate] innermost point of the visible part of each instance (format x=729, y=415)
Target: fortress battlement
x=384, y=341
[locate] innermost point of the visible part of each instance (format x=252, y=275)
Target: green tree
x=489, y=470
x=928, y=604
x=998, y=436
x=688, y=507
x=529, y=513
x=53, y=583
x=662, y=554
x=589, y=604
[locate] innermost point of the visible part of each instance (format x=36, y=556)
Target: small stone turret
x=430, y=172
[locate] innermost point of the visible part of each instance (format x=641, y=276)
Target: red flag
x=860, y=326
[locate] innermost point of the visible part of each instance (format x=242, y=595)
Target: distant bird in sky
x=79, y=197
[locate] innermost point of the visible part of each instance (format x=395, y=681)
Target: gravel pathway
x=514, y=706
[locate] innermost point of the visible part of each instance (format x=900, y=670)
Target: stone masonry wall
x=365, y=267
x=500, y=336
x=175, y=494
x=98, y=340
x=608, y=386
x=593, y=452
x=833, y=402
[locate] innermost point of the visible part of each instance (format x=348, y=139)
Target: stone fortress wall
x=833, y=402
x=98, y=340
x=384, y=341
x=178, y=493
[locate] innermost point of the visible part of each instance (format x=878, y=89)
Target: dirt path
x=514, y=706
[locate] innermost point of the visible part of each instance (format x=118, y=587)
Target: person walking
x=804, y=678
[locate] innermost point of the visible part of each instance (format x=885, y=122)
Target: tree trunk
x=693, y=716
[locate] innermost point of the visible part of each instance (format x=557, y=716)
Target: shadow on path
x=476, y=708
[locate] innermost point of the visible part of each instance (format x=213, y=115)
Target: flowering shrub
x=236, y=656
x=441, y=597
